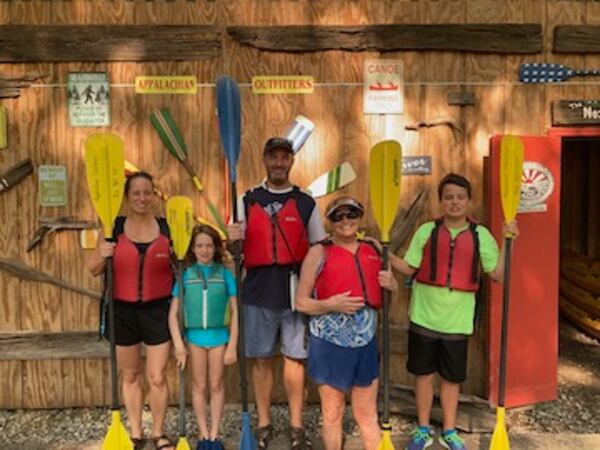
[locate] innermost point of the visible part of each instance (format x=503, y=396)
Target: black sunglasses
x=338, y=216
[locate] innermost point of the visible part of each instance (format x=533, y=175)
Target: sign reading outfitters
x=383, y=87
x=293, y=84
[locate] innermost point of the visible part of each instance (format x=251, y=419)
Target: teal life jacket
x=206, y=304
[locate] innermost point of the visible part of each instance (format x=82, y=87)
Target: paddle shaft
x=111, y=334
x=181, y=371
x=386, y=341
x=238, y=276
x=504, y=320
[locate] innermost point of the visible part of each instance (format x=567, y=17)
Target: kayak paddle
x=511, y=169
x=180, y=215
x=550, y=73
x=230, y=123
x=299, y=131
x=385, y=167
x=105, y=169
x=15, y=175
x=333, y=180
x=169, y=133
x=131, y=168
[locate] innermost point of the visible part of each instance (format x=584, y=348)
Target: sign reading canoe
x=576, y=112
x=383, y=87
x=283, y=84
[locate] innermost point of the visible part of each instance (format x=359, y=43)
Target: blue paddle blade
x=247, y=441
x=229, y=112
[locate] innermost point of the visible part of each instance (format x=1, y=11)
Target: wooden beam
x=49, y=43
x=577, y=39
x=27, y=346
x=479, y=38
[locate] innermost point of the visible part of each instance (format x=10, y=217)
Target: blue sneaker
x=451, y=440
x=217, y=444
x=420, y=438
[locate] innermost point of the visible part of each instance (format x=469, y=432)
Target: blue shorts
x=263, y=328
x=342, y=367
x=213, y=337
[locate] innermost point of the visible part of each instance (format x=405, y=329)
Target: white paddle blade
x=333, y=180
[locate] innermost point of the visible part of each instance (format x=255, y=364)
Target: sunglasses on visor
x=338, y=216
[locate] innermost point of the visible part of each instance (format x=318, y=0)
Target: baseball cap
x=278, y=143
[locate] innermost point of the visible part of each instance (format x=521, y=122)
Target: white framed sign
x=52, y=185
x=383, y=89
x=88, y=99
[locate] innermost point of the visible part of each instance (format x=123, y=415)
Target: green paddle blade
x=500, y=436
x=385, y=168
x=333, y=180
x=511, y=169
x=165, y=126
x=116, y=437
x=105, y=168
x=180, y=217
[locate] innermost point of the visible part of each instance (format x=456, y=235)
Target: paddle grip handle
x=504, y=320
x=237, y=257
x=386, y=341
x=111, y=335
x=197, y=183
x=181, y=297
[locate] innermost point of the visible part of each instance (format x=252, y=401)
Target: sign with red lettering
x=383, y=87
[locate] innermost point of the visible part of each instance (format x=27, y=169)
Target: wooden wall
x=38, y=128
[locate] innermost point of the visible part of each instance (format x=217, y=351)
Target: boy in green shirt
x=446, y=257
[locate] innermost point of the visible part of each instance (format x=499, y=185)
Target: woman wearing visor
x=340, y=289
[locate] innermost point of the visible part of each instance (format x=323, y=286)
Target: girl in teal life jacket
x=210, y=328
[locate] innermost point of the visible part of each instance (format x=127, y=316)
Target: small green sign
x=52, y=185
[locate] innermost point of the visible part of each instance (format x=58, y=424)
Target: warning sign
x=383, y=87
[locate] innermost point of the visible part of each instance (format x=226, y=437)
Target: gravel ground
x=575, y=411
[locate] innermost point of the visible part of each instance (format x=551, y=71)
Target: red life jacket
x=453, y=263
x=278, y=239
x=344, y=271
x=142, y=277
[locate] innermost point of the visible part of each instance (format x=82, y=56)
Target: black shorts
x=141, y=322
x=427, y=355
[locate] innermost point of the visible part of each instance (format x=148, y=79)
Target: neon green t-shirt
x=439, y=308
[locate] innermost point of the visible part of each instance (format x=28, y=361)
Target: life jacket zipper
x=204, y=301
x=141, y=278
x=450, y=261
x=361, y=276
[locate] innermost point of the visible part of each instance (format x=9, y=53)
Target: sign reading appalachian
x=383, y=87
x=166, y=85
x=576, y=112
x=283, y=84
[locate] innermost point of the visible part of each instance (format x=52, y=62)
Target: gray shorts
x=263, y=327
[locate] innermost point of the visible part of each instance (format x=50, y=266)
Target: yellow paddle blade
x=180, y=217
x=130, y=167
x=385, y=167
x=116, y=437
x=105, y=168
x=500, y=437
x=386, y=441
x=182, y=444
x=511, y=169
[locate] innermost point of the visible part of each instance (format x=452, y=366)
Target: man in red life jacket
x=278, y=222
x=445, y=259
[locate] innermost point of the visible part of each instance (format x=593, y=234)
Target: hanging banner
x=52, y=185
x=166, y=85
x=292, y=84
x=383, y=90
x=88, y=99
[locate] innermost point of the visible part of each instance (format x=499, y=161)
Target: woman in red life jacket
x=143, y=279
x=340, y=289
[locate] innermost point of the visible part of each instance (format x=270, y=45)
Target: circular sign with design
x=537, y=184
